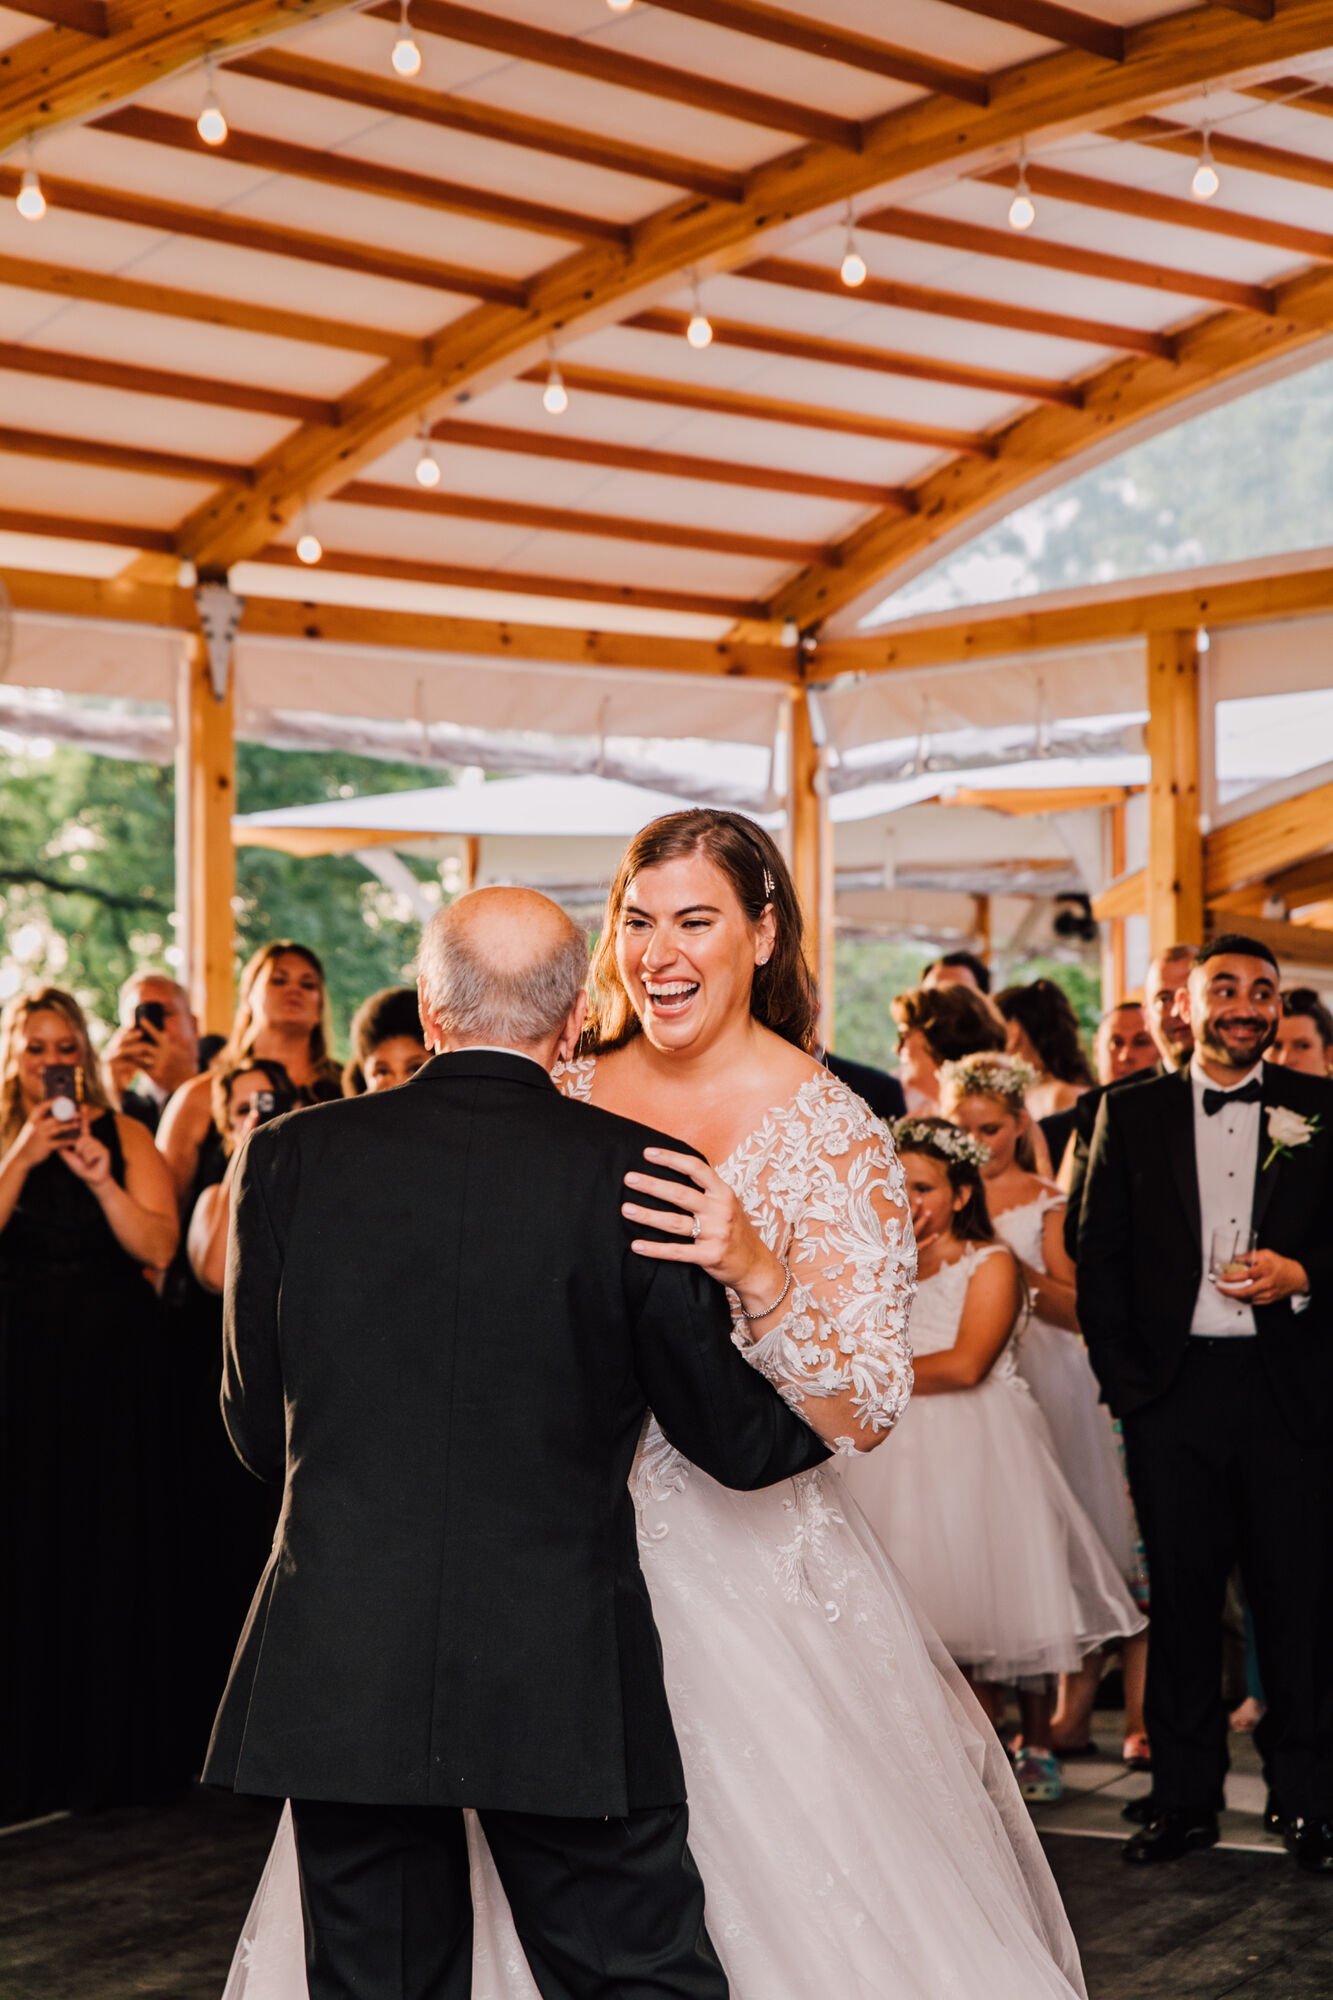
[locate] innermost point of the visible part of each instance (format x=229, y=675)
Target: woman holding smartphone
x=87, y=1210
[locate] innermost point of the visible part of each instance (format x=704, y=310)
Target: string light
x=428, y=466
x=790, y=636
x=406, y=57
x=1022, y=209
x=853, y=270
x=620, y=6
x=1206, y=180
x=309, y=548
x=555, y=396
x=30, y=201
x=699, y=332
x=211, y=124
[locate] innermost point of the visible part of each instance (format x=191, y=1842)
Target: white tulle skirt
x=970, y=1502
x=853, y=1816
x=1055, y=1366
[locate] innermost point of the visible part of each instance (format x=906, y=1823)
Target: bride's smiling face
x=687, y=952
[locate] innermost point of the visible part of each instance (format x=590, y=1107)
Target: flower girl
x=970, y=1501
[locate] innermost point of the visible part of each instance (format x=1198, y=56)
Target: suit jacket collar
x=503, y=1065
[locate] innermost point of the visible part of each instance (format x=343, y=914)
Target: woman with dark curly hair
x=938, y=1025
x=1044, y=1033
x=387, y=1042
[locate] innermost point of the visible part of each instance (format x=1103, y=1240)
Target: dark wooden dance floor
x=138, y=1904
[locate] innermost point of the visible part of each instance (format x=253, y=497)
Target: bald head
x=505, y=967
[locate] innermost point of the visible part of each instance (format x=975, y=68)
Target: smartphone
x=151, y=1014
x=264, y=1103
x=62, y=1089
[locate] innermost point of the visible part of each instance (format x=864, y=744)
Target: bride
x=852, y=1813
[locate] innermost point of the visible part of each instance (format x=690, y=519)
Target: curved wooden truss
x=854, y=430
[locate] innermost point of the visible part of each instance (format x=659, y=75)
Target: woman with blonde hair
x=86, y=1212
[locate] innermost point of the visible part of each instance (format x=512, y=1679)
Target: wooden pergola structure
x=597, y=266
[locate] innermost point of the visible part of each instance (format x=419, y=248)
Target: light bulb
x=30, y=201
x=406, y=57
x=699, y=332
x=791, y=634
x=555, y=396
x=620, y=6
x=853, y=270
x=1206, y=180
x=1022, y=209
x=428, y=466
x=211, y=124
x=309, y=549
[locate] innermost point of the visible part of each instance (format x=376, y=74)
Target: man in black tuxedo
x=438, y=1336
x=1225, y=1391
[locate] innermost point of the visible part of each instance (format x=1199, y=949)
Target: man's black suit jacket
x=438, y=1335
x=875, y=1087
x=1141, y=1257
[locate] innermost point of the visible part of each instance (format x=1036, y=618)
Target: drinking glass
x=1227, y=1252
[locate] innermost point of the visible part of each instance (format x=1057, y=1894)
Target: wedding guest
x=938, y=1024
x=958, y=968
x=86, y=1210
x=1123, y=1045
x=1218, y=1360
x=244, y=1096
x=1304, y=1034
x=387, y=1044
x=970, y=1500
x=1043, y=1031
x=157, y=1041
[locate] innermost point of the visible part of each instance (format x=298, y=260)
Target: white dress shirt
x=1226, y=1151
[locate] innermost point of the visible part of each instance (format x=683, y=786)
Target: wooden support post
x=1115, y=963
x=982, y=926
x=1175, y=838
x=205, y=857
x=810, y=849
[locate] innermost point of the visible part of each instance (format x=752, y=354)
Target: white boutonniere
x=1287, y=1130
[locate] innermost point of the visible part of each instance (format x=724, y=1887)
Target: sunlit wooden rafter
x=1228, y=149
x=820, y=38
x=1177, y=211
x=916, y=226
x=974, y=308
x=763, y=409
x=1127, y=392
x=1067, y=92
x=54, y=365
x=120, y=457
x=85, y=17
x=484, y=121
x=115, y=534
x=454, y=506
x=576, y=56
x=345, y=170
x=1295, y=93
x=54, y=78
x=563, y=445
x=877, y=360
x=1057, y=24
x=219, y=226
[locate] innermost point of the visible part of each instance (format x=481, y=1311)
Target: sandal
x=1136, y=1752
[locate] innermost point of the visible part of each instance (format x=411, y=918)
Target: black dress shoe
x=1169, y=1836
x=1311, y=1841
x=1139, y=1811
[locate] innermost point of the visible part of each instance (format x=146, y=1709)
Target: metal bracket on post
x=220, y=611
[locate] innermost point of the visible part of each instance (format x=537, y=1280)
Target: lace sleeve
x=831, y=1200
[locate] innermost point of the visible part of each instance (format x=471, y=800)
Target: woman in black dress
x=87, y=1210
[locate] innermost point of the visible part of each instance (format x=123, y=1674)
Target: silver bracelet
x=764, y=1311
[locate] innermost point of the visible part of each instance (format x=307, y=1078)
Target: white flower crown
x=950, y=1142
x=986, y=1075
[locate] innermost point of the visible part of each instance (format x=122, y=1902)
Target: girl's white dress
x=971, y=1504
x=1054, y=1363
x=853, y=1816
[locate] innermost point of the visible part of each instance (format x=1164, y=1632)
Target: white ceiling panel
x=92, y=492
x=84, y=410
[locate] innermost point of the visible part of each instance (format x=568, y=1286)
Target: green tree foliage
x=87, y=889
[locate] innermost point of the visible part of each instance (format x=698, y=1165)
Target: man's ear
x=1180, y=1006
x=572, y=1032
x=430, y=1026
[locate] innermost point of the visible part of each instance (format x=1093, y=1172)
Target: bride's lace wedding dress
x=853, y=1815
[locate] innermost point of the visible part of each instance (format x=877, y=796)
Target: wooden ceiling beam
x=55, y=366
x=121, y=457
x=832, y=44
x=1293, y=944
x=1049, y=98
x=572, y=521
x=486, y=121
x=1294, y=93
x=85, y=17
x=1164, y=136
x=915, y=226
x=562, y=445
x=879, y=361
x=80, y=528
x=134, y=295
x=1178, y=212
x=576, y=56
x=272, y=239
x=1269, y=840
x=763, y=409
x=1018, y=803
x=350, y=562
x=1208, y=354
x=1055, y=24
x=345, y=170
x=973, y=311
x=56, y=78
x=132, y=601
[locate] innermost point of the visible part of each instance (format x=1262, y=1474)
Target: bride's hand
x=714, y=1229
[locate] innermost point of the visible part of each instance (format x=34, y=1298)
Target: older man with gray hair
x=439, y=1339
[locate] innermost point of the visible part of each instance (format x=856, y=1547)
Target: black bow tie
x=1249, y=1093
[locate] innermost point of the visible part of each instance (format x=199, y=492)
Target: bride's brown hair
x=783, y=995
